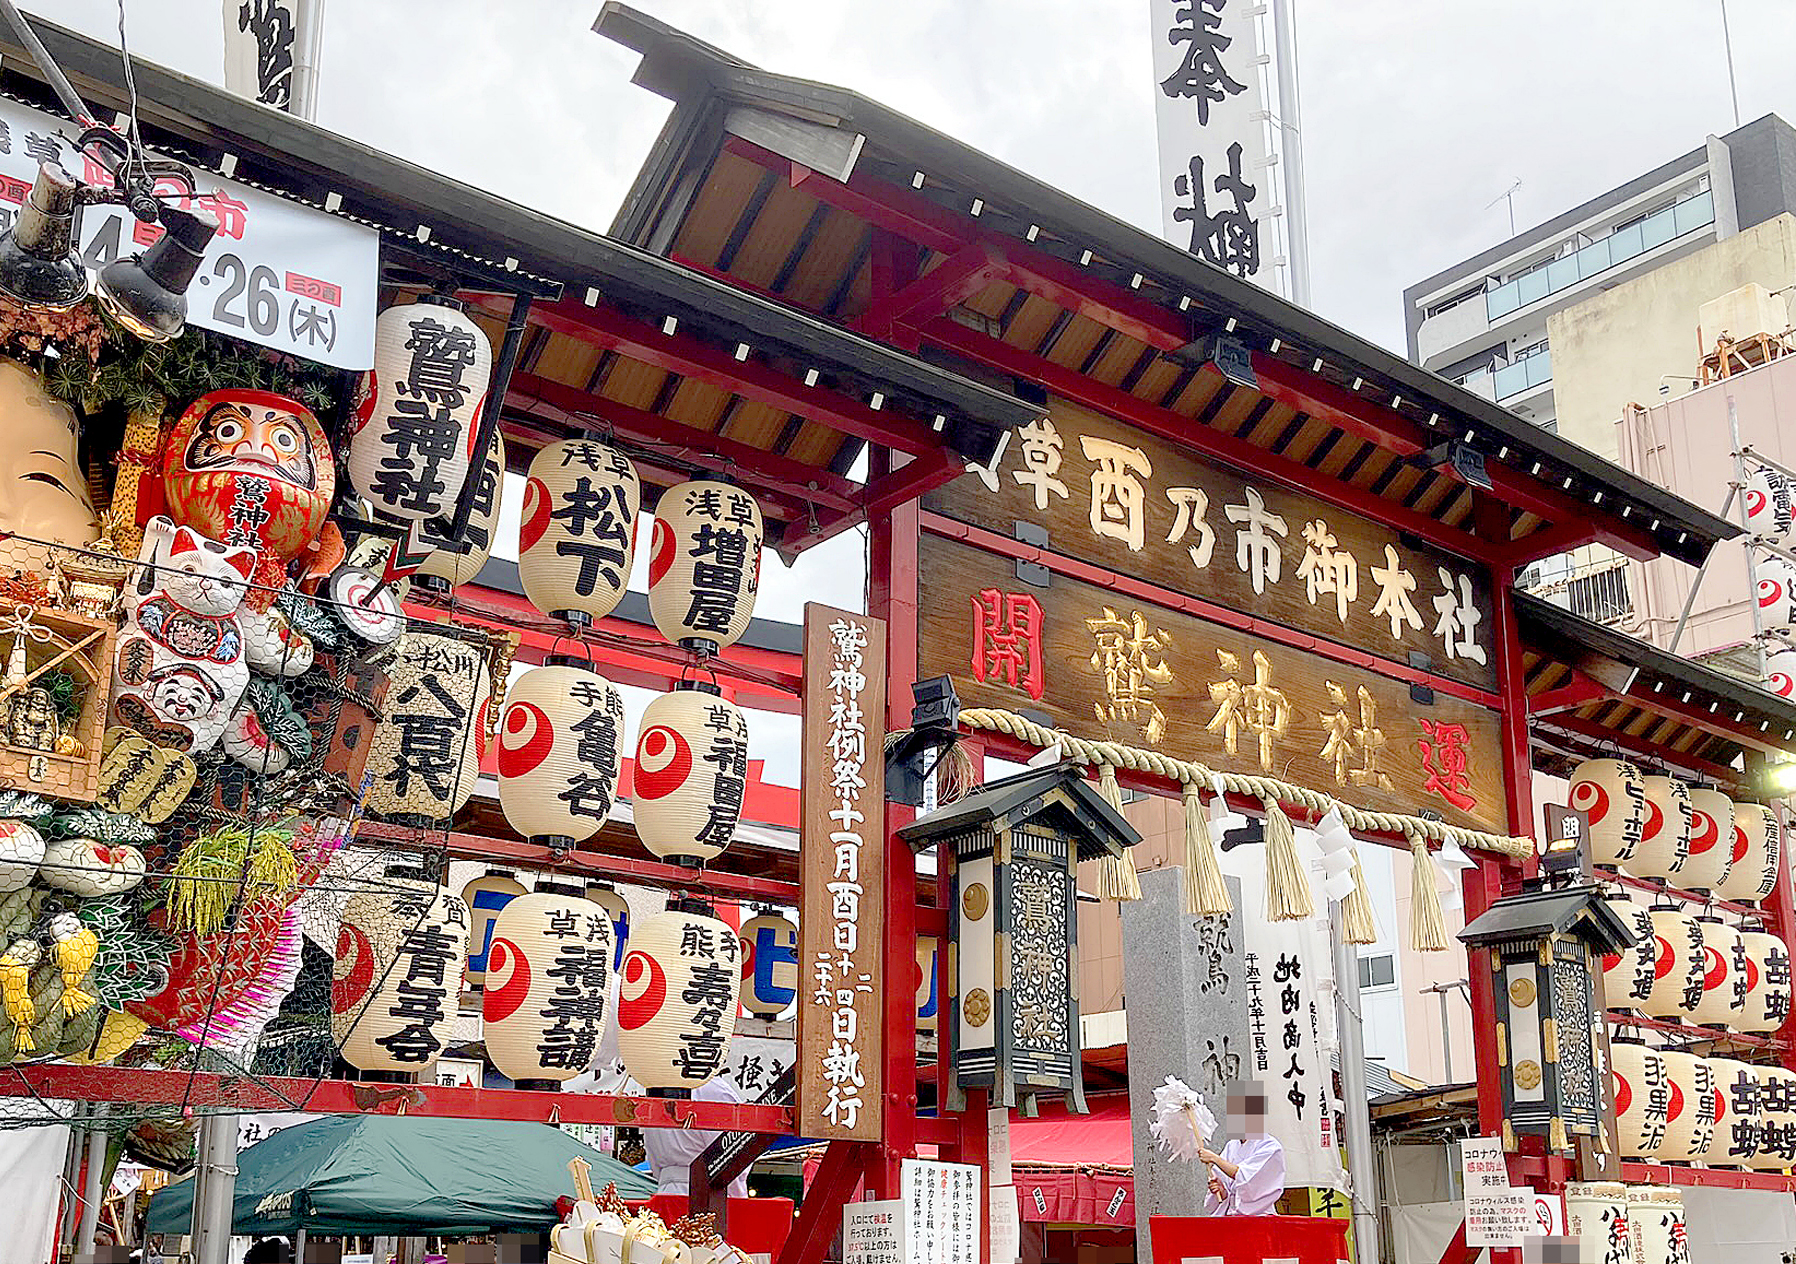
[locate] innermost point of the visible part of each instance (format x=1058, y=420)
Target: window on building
x=1532, y=349
x=1380, y=971
x=1641, y=217
x=1435, y=309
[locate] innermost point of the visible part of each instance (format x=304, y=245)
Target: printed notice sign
x=1481, y=1162
x=1007, y=1225
x=941, y=1212
x=873, y=1233
x=1495, y=1213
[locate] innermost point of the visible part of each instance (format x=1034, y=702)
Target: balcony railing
x=1524, y=374
x=1612, y=251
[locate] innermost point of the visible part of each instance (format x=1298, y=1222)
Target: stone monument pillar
x=1186, y=1000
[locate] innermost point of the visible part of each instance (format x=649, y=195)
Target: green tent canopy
x=346, y=1174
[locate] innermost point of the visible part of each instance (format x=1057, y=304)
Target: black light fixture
x=917, y=752
x=147, y=293
x=38, y=263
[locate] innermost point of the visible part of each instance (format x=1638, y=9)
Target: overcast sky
x=1415, y=115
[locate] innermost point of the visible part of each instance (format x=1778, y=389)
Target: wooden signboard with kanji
x=1109, y=494
x=841, y=1050
x=1099, y=664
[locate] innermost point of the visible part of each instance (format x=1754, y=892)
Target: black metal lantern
x=1013, y=929
x=1544, y=946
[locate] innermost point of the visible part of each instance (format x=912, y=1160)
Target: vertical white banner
x=261, y=40
x=1216, y=189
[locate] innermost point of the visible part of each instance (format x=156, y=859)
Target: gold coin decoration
x=1527, y=1075
x=977, y=1007
x=1521, y=993
x=974, y=901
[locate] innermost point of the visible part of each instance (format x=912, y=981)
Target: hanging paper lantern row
x=560, y=740
x=1780, y=672
x=577, y=534
x=1767, y=976
x=1690, y=1114
x=450, y=563
x=1711, y=840
x=1777, y=1119
x=1777, y=593
x=1737, y=1119
x=396, y=975
x=691, y=773
x=677, y=1008
x=485, y=896
x=425, y=757
x=1612, y=794
x=547, y=977
x=1641, y=1085
x=1758, y=854
x=415, y=426
x=1770, y=507
x=608, y=898
x=705, y=564
x=1629, y=975
x=1678, y=966
x=1665, y=840
x=1724, y=976
x=769, y=964
x=251, y=469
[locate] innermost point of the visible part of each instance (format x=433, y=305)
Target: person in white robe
x=1248, y=1176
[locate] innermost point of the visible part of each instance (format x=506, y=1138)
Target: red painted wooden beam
x=949, y=284
x=1340, y=408
x=1245, y=457
x=1581, y=692
x=1670, y=702
x=819, y=1217
x=1651, y=751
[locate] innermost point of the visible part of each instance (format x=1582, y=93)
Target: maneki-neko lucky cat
x=181, y=669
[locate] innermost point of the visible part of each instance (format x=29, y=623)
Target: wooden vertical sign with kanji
x=841, y=1051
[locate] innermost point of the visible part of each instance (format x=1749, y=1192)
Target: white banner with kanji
x=277, y=274
x=1216, y=192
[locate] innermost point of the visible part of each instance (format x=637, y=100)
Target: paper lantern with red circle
x=425, y=755
x=451, y=563
x=577, y=533
x=705, y=564
x=691, y=772
x=1776, y=577
x=1690, y=1114
x=1642, y=1089
x=1678, y=966
x=1780, y=672
x=1665, y=838
x=415, y=425
x=1777, y=1119
x=251, y=468
x=1629, y=975
x=676, y=1010
x=1724, y=975
x=1737, y=1119
x=1711, y=841
x=769, y=964
x=1612, y=794
x=560, y=748
x=485, y=896
x=612, y=901
x=1768, y=987
x=547, y=978
x=1770, y=506
x=397, y=974
x=928, y=1002
x=1758, y=854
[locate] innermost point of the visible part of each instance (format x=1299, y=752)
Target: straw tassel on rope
x=1427, y=928
x=1358, y=924
x=1117, y=879
x=1205, y=891
x=1288, y=896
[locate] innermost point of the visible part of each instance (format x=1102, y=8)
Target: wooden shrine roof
x=802, y=192
x=1594, y=691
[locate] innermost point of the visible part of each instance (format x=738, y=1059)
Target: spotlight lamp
x=1781, y=778
x=147, y=293
x=38, y=263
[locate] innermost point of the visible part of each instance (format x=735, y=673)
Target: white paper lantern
x=1758, y=853
x=1656, y=1223
x=1629, y=975
x=608, y=898
x=1780, y=671
x=677, y=1008
x=1641, y=1085
x=691, y=772
x=1612, y=793
x=485, y=896
x=452, y=563
x=1596, y=1214
x=397, y=974
x=1724, y=976
x=769, y=964
x=1768, y=989
x=1678, y=966
x=1737, y=1122
x=577, y=533
x=1690, y=1117
x=416, y=423
x=560, y=740
x=1711, y=841
x=705, y=564
x=1777, y=592
x=1665, y=839
x=547, y=976
x=1769, y=506
x=21, y=852
x=425, y=755
x=928, y=1002
x=1777, y=1119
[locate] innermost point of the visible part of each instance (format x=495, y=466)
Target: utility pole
x=1362, y=1167
x=1727, y=44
